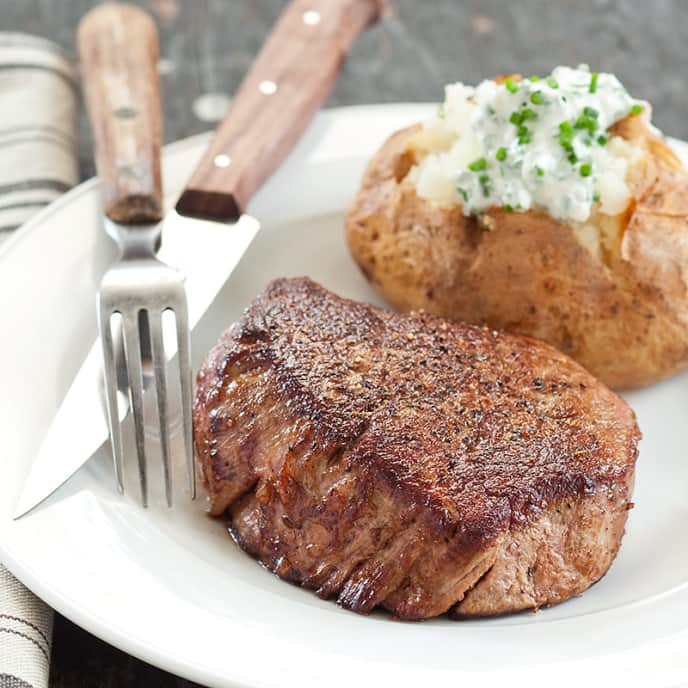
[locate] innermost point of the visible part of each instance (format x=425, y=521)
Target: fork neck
x=135, y=241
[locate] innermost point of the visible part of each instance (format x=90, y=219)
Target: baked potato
x=616, y=301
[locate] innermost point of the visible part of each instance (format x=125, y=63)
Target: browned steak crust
x=408, y=462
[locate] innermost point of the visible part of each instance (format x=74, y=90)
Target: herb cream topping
x=539, y=142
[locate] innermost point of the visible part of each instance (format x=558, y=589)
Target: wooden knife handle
x=118, y=50
x=287, y=84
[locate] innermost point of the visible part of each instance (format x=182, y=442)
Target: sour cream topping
x=539, y=142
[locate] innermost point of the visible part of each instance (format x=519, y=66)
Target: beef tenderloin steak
x=406, y=462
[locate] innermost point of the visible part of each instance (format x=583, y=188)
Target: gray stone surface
x=207, y=45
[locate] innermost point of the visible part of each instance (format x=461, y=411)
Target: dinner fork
x=118, y=49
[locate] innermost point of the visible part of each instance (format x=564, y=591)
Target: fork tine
x=105, y=326
x=183, y=347
x=132, y=352
x=160, y=365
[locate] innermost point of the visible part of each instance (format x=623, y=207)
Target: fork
x=118, y=49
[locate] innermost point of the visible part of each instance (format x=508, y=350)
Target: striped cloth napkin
x=38, y=92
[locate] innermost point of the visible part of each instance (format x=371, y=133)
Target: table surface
x=207, y=45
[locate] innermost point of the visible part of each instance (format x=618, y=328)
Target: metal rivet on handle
x=222, y=160
x=267, y=88
x=126, y=112
x=311, y=17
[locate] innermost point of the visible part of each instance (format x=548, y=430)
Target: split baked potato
x=618, y=303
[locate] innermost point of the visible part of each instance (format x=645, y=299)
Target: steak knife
x=207, y=234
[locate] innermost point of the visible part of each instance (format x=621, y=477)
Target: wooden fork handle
x=289, y=81
x=118, y=50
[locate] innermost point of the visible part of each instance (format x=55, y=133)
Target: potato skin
x=625, y=319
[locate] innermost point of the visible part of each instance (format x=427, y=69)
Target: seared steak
x=406, y=462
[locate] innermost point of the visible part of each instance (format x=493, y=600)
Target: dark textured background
x=207, y=45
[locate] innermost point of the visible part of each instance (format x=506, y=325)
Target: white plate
x=171, y=587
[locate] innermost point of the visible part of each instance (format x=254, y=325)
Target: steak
x=406, y=462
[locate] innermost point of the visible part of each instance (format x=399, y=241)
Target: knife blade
x=80, y=426
x=287, y=84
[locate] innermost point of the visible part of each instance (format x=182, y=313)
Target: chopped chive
x=593, y=82
x=501, y=154
x=636, y=109
x=585, y=169
x=534, y=78
x=552, y=82
x=566, y=134
x=523, y=134
x=602, y=140
x=511, y=85
x=524, y=115
x=585, y=122
x=536, y=98
x=539, y=171
x=508, y=208
x=484, y=181
x=463, y=193
x=477, y=165
x=596, y=197
x=590, y=112
x=563, y=98
x=573, y=158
